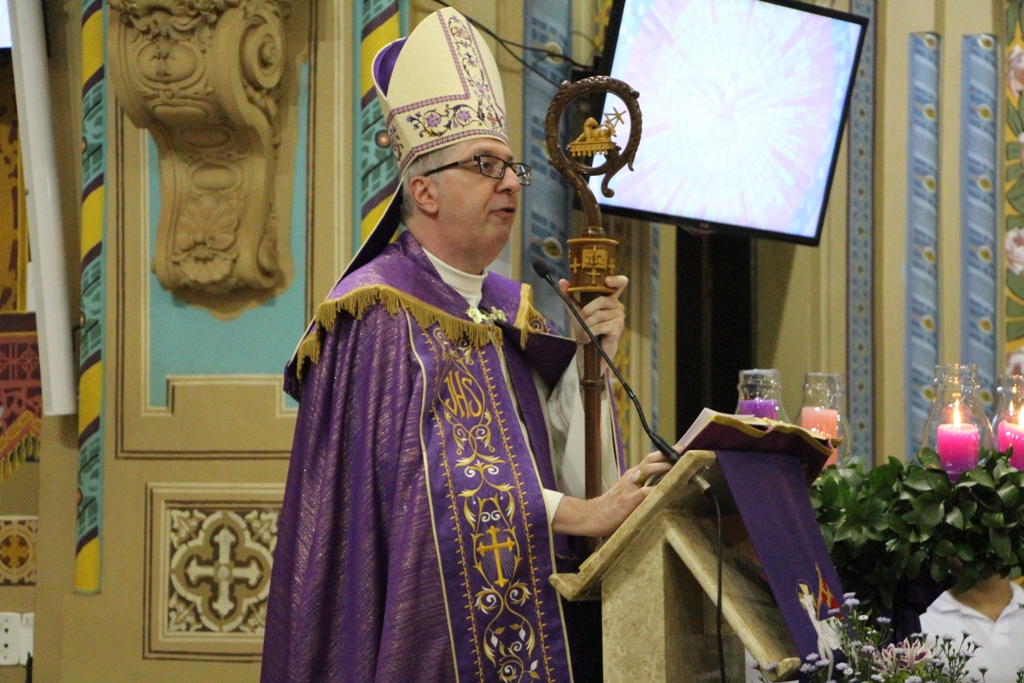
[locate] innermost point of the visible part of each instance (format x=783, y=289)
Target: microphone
x=544, y=272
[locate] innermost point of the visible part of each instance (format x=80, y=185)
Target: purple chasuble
x=413, y=542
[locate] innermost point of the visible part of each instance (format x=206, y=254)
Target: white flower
x=1013, y=245
x=1015, y=71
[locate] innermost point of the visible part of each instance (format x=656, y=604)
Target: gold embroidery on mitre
x=444, y=88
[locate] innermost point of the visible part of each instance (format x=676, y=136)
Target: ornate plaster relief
x=204, y=77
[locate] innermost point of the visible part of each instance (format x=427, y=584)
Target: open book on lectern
x=714, y=431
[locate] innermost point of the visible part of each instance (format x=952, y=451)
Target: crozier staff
x=439, y=417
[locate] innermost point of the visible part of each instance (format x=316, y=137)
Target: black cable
x=506, y=43
x=549, y=53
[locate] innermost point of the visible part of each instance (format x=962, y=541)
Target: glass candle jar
x=824, y=411
x=760, y=394
x=957, y=427
x=1008, y=420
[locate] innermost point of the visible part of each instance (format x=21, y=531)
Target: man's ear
x=424, y=194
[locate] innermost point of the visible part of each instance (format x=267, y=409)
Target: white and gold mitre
x=439, y=86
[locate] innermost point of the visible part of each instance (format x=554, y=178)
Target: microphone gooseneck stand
x=544, y=272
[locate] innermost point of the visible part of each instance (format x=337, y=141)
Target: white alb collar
x=471, y=287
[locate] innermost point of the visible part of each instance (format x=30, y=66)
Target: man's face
x=476, y=213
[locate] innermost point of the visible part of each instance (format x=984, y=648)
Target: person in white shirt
x=992, y=614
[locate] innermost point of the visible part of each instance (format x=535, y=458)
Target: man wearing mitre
x=439, y=417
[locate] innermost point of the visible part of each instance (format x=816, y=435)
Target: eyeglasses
x=492, y=167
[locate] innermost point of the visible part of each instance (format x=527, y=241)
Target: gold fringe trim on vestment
x=309, y=348
x=26, y=448
x=361, y=299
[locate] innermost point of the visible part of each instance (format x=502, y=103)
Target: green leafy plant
x=902, y=523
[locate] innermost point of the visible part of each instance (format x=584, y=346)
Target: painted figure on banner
x=822, y=609
x=436, y=478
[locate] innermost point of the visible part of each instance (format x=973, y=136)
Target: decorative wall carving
x=18, y=550
x=220, y=569
x=204, y=77
x=209, y=563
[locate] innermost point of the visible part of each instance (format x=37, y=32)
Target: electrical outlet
x=28, y=621
x=10, y=638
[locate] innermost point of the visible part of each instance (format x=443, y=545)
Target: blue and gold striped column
x=90, y=383
x=922, y=297
x=546, y=208
x=378, y=22
x=860, y=246
x=978, y=222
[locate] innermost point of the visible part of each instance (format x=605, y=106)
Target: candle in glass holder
x=759, y=407
x=824, y=421
x=958, y=445
x=1011, y=433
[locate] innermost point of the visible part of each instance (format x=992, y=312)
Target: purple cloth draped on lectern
x=771, y=493
x=413, y=542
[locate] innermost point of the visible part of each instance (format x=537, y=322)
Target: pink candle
x=1012, y=434
x=958, y=448
x=824, y=421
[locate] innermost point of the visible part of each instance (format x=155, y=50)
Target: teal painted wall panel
x=185, y=340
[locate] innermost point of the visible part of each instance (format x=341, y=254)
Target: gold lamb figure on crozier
x=596, y=138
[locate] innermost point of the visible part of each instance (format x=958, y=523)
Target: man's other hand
x=601, y=516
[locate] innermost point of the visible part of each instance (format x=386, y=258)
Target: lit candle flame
x=956, y=413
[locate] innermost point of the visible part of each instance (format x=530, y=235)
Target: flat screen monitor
x=5, y=25
x=744, y=104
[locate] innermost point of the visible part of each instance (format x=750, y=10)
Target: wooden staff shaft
x=592, y=383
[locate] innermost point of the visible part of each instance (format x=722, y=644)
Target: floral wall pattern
x=1013, y=186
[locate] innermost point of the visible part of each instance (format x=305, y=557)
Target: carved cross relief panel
x=209, y=563
x=204, y=77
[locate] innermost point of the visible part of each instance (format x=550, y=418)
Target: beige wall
x=801, y=295
x=897, y=20
x=803, y=328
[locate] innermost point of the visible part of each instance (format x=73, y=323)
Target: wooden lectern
x=652, y=576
